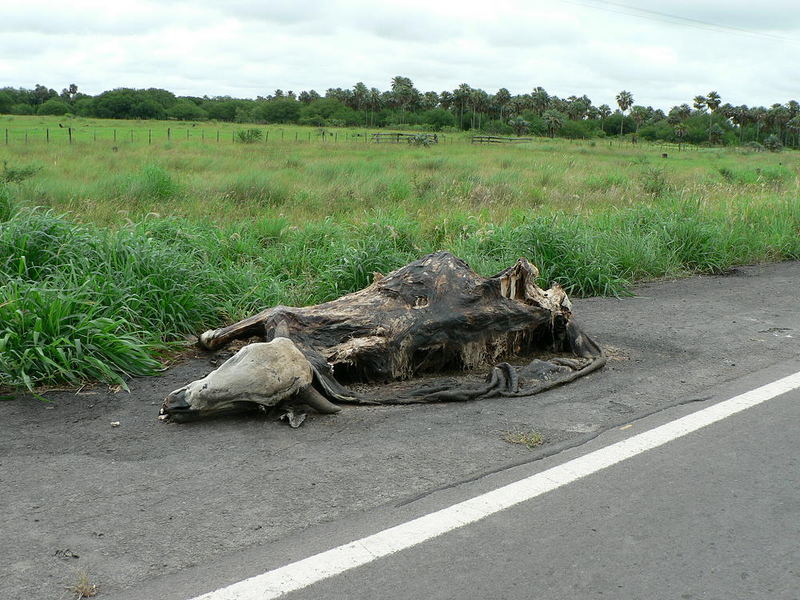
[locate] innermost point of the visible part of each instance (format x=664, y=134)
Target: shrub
x=18, y=174
x=654, y=181
x=773, y=143
x=249, y=136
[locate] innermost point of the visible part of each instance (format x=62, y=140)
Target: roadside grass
x=82, y=587
x=109, y=258
x=529, y=439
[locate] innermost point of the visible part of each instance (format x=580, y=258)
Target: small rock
x=115, y=423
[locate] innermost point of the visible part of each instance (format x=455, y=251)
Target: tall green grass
x=79, y=302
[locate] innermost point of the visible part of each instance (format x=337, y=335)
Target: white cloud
x=248, y=48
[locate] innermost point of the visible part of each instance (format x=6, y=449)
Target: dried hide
x=420, y=333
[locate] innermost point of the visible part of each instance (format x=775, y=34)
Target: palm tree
x=540, y=100
x=604, y=110
x=519, y=125
x=639, y=116
x=625, y=101
x=501, y=100
x=713, y=101
x=360, y=93
x=553, y=120
x=700, y=103
x=680, y=132
x=794, y=125
x=374, y=100
x=403, y=92
x=461, y=97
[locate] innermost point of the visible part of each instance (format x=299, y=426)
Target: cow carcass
x=417, y=335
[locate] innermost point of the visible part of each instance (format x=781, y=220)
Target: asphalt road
x=712, y=515
x=147, y=502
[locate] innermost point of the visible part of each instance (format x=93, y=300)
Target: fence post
x=149, y=136
x=26, y=136
x=187, y=134
x=309, y=136
x=335, y=136
x=281, y=134
x=168, y=134
x=218, y=135
x=6, y=136
x=295, y=136
x=266, y=137
x=47, y=131
x=69, y=132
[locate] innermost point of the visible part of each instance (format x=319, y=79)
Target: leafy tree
x=53, y=106
x=6, y=102
x=147, y=108
x=281, y=110
x=22, y=109
x=438, y=118
x=69, y=93
x=186, y=110
x=42, y=94
x=715, y=133
x=624, y=101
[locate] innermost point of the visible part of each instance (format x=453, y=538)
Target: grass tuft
x=529, y=439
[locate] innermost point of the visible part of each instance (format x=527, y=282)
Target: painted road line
x=303, y=573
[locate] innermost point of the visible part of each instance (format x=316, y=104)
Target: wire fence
x=62, y=135
x=75, y=135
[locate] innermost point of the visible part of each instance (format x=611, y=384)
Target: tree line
x=706, y=120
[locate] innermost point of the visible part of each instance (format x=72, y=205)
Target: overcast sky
x=746, y=50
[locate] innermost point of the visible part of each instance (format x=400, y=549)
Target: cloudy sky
x=663, y=52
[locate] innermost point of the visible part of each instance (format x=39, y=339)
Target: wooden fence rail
x=396, y=138
x=496, y=139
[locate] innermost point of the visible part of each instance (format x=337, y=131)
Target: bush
x=186, y=110
x=754, y=146
x=655, y=182
x=773, y=143
x=249, y=136
x=54, y=106
x=17, y=174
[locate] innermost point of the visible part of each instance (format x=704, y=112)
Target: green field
x=140, y=240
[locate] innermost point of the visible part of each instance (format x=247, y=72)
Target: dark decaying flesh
x=429, y=320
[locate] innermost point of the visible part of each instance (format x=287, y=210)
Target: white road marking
x=303, y=573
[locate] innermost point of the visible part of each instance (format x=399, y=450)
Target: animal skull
x=269, y=375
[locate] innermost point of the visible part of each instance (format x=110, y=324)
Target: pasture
x=113, y=250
